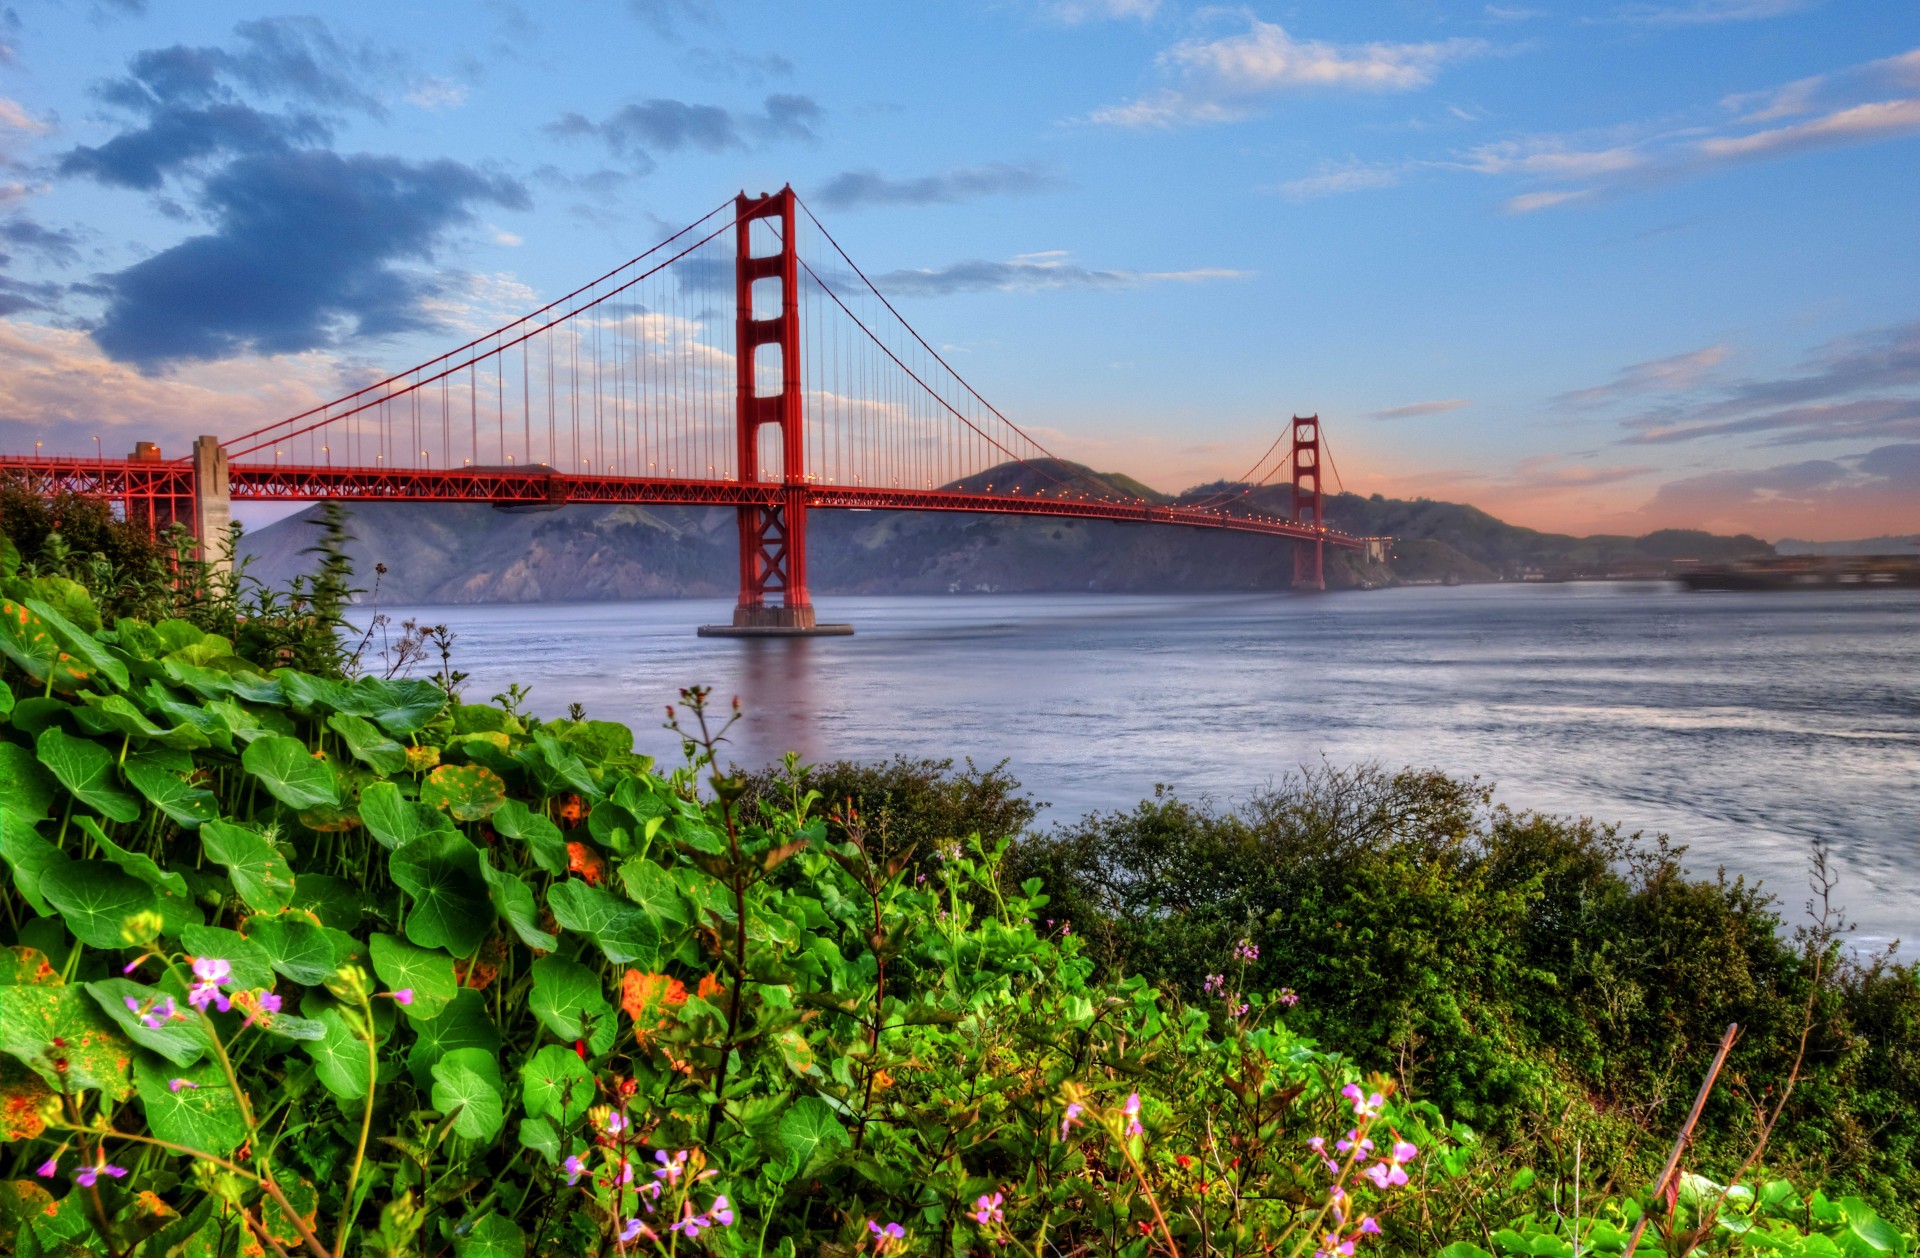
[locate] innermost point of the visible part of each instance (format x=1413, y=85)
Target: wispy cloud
x=1710, y=12
x=853, y=188
x=1871, y=491
x=1035, y=272
x=1679, y=371
x=637, y=133
x=1335, y=180
x=1079, y=12
x=1413, y=410
x=1227, y=78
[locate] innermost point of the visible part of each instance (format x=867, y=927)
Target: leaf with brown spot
x=26, y=967
x=20, y=1199
x=22, y=1093
x=91, y=1053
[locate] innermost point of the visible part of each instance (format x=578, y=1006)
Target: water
x=1744, y=725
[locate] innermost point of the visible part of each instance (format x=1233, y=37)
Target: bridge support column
x=212, y=503
x=1309, y=572
x=773, y=533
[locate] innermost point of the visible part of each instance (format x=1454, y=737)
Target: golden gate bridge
x=745, y=361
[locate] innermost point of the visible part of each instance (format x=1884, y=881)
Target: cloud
x=1710, y=12
x=1847, y=108
x=1224, y=79
x=1511, y=13
x=854, y=188
x=667, y=17
x=1336, y=180
x=1414, y=410
x=1034, y=272
x=437, y=95
x=634, y=133
x=1679, y=371
x=1078, y=12
x=14, y=117
x=727, y=64
x=1858, y=388
x=1875, y=491
x=305, y=252
x=55, y=244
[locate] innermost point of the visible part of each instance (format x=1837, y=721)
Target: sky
x=1602, y=267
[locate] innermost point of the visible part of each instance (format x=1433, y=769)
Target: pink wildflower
x=1132, y=1111
x=986, y=1209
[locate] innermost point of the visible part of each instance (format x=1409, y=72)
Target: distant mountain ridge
x=472, y=553
x=1886, y=545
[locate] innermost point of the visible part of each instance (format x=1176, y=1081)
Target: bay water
x=1746, y=726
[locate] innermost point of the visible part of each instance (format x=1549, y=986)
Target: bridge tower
x=773, y=535
x=1308, y=572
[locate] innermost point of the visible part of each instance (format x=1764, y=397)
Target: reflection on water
x=1744, y=725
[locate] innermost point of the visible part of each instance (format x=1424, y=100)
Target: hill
x=471, y=552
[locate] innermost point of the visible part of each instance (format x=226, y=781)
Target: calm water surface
x=1744, y=725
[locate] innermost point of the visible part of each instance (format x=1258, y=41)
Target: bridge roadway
x=160, y=492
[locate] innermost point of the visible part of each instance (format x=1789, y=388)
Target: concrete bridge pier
x=212, y=503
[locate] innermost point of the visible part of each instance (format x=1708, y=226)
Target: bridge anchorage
x=637, y=388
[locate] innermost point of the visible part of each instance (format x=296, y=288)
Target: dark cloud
x=55, y=244
x=17, y=295
x=305, y=252
x=1035, y=273
x=635, y=133
x=727, y=65
x=853, y=188
x=190, y=104
x=1879, y=488
x=667, y=17
x=1861, y=387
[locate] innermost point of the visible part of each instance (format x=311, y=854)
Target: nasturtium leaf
x=468, y=792
x=549, y=847
x=21, y=966
x=339, y=1055
x=96, y=1054
x=95, y=899
x=251, y=967
x=190, y=1105
x=513, y=899
x=187, y=805
x=181, y=1039
x=26, y=640
x=116, y=714
x=260, y=874
x=305, y=693
x=623, y=930
x=653, y=889
x=451, y=908
x=295, y=948
x=555, y=1082
x=206, y=719
x=810, y=1132
x=557, y=767
x=494, y=1236
x=305, y=1201
x=28, y=857
x=466, y=1022
x=427, y=974
x=23, y=1096
x=539, y=1135
x=139, y=864
x=569, y=1001
x=67, y=598
x=402, y=706
x=1867, y=1234
x=335, y=902
x=85, y=768
x=80, y=640
x=466, y=1084
x=395, y=820
x=290, y=773
x=26, y=789
x=368, y=744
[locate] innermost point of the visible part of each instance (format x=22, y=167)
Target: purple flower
x=402, y=995
x=1214, y=983
x=631, y=1232
x=162, y=1012
x=88, y=1176
x=721, y=1211
x=1385, y=1174
x=269, y=1002
x=174, y=1085
x=1353, y=1141
x=49, y=1168
x=1318, y=1144
x=1132, y=1111
x=886, y=1235
x=986, y=1209
x=616, y=1123
x=1364, y=1106
x=1288, y=998
x=209, y=973
x=575, y=1168
x=1369, y=1227
x=1245, y=951
x=689, y=1223
x=1072, y=1119
x=1402, y=1153
x=670, y=1167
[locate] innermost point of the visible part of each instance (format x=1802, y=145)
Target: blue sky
x=1612, y=266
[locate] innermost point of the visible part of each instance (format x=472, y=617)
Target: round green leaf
x=339, y=1055
x=568, y=999
x=429, y=975
x=295, y=947
x=513, y=899
x=495, y=1236
x=260, y=874
x=85, y=768
x=809, y=1131
x=466, y=1022
x=251, y=967
x=368, y=744
x=463, y=1087
x=290, y=773
x=181, y=1040
x=395, y=820
x=95, y=899
x=402, y=706
x=200, y=1114
x=26, y=789
x=451, y=908
x=94, y=1052
x=623, y=930
x=170, y=792
x=29, y=857
x=467, y=791
x=549, y=847
x=556, y=1083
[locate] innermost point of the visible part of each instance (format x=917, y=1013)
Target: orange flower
x=586, y=862
x=709, y=986
x=647, y=997
x=571, y=810
x=882, y=1081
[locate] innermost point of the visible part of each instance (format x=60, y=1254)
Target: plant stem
x=366, y=1126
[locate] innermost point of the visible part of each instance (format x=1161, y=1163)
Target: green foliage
x=400, y=980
